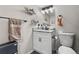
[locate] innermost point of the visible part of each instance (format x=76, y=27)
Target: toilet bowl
x=65, y=50
x=66, y=41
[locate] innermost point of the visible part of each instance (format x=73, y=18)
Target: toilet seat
x=65, y=50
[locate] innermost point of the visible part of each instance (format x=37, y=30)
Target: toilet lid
x=65, y=50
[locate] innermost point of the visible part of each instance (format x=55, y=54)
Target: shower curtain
x=14, y=29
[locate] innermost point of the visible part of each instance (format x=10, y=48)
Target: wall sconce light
x=47, y=9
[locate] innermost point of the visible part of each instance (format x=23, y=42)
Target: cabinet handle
x=40, y=39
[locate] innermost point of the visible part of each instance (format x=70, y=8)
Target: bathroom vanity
x=43, y=41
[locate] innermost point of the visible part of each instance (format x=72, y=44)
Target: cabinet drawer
x=41, y=34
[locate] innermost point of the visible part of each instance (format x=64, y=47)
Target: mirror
x=49, y=14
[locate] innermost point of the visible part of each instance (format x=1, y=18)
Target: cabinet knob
x=53, y=37
x=40, y=39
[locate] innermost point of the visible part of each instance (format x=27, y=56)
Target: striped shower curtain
x=14, y=29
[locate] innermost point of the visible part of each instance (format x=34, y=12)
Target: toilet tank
x=66, y=39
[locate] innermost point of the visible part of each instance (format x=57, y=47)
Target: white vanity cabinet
x=43, y=41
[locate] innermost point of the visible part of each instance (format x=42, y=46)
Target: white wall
x=11, y=11
x=71, y=20
x=3, y=31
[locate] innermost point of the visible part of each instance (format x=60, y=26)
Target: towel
x=14, y=29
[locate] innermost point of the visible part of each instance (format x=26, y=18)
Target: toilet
x=66, y=41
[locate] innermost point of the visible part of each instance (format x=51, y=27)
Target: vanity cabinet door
x=42, y=43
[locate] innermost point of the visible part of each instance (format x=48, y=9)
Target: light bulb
x=47, y=11
x=51, y=10
x=43, y=12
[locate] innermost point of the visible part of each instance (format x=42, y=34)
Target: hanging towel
x=14, y=29
x=59, y=21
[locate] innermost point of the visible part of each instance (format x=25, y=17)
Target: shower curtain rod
x=14, y=18
x=4, y=17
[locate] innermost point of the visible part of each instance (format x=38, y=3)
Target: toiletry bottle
x=38, y=26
